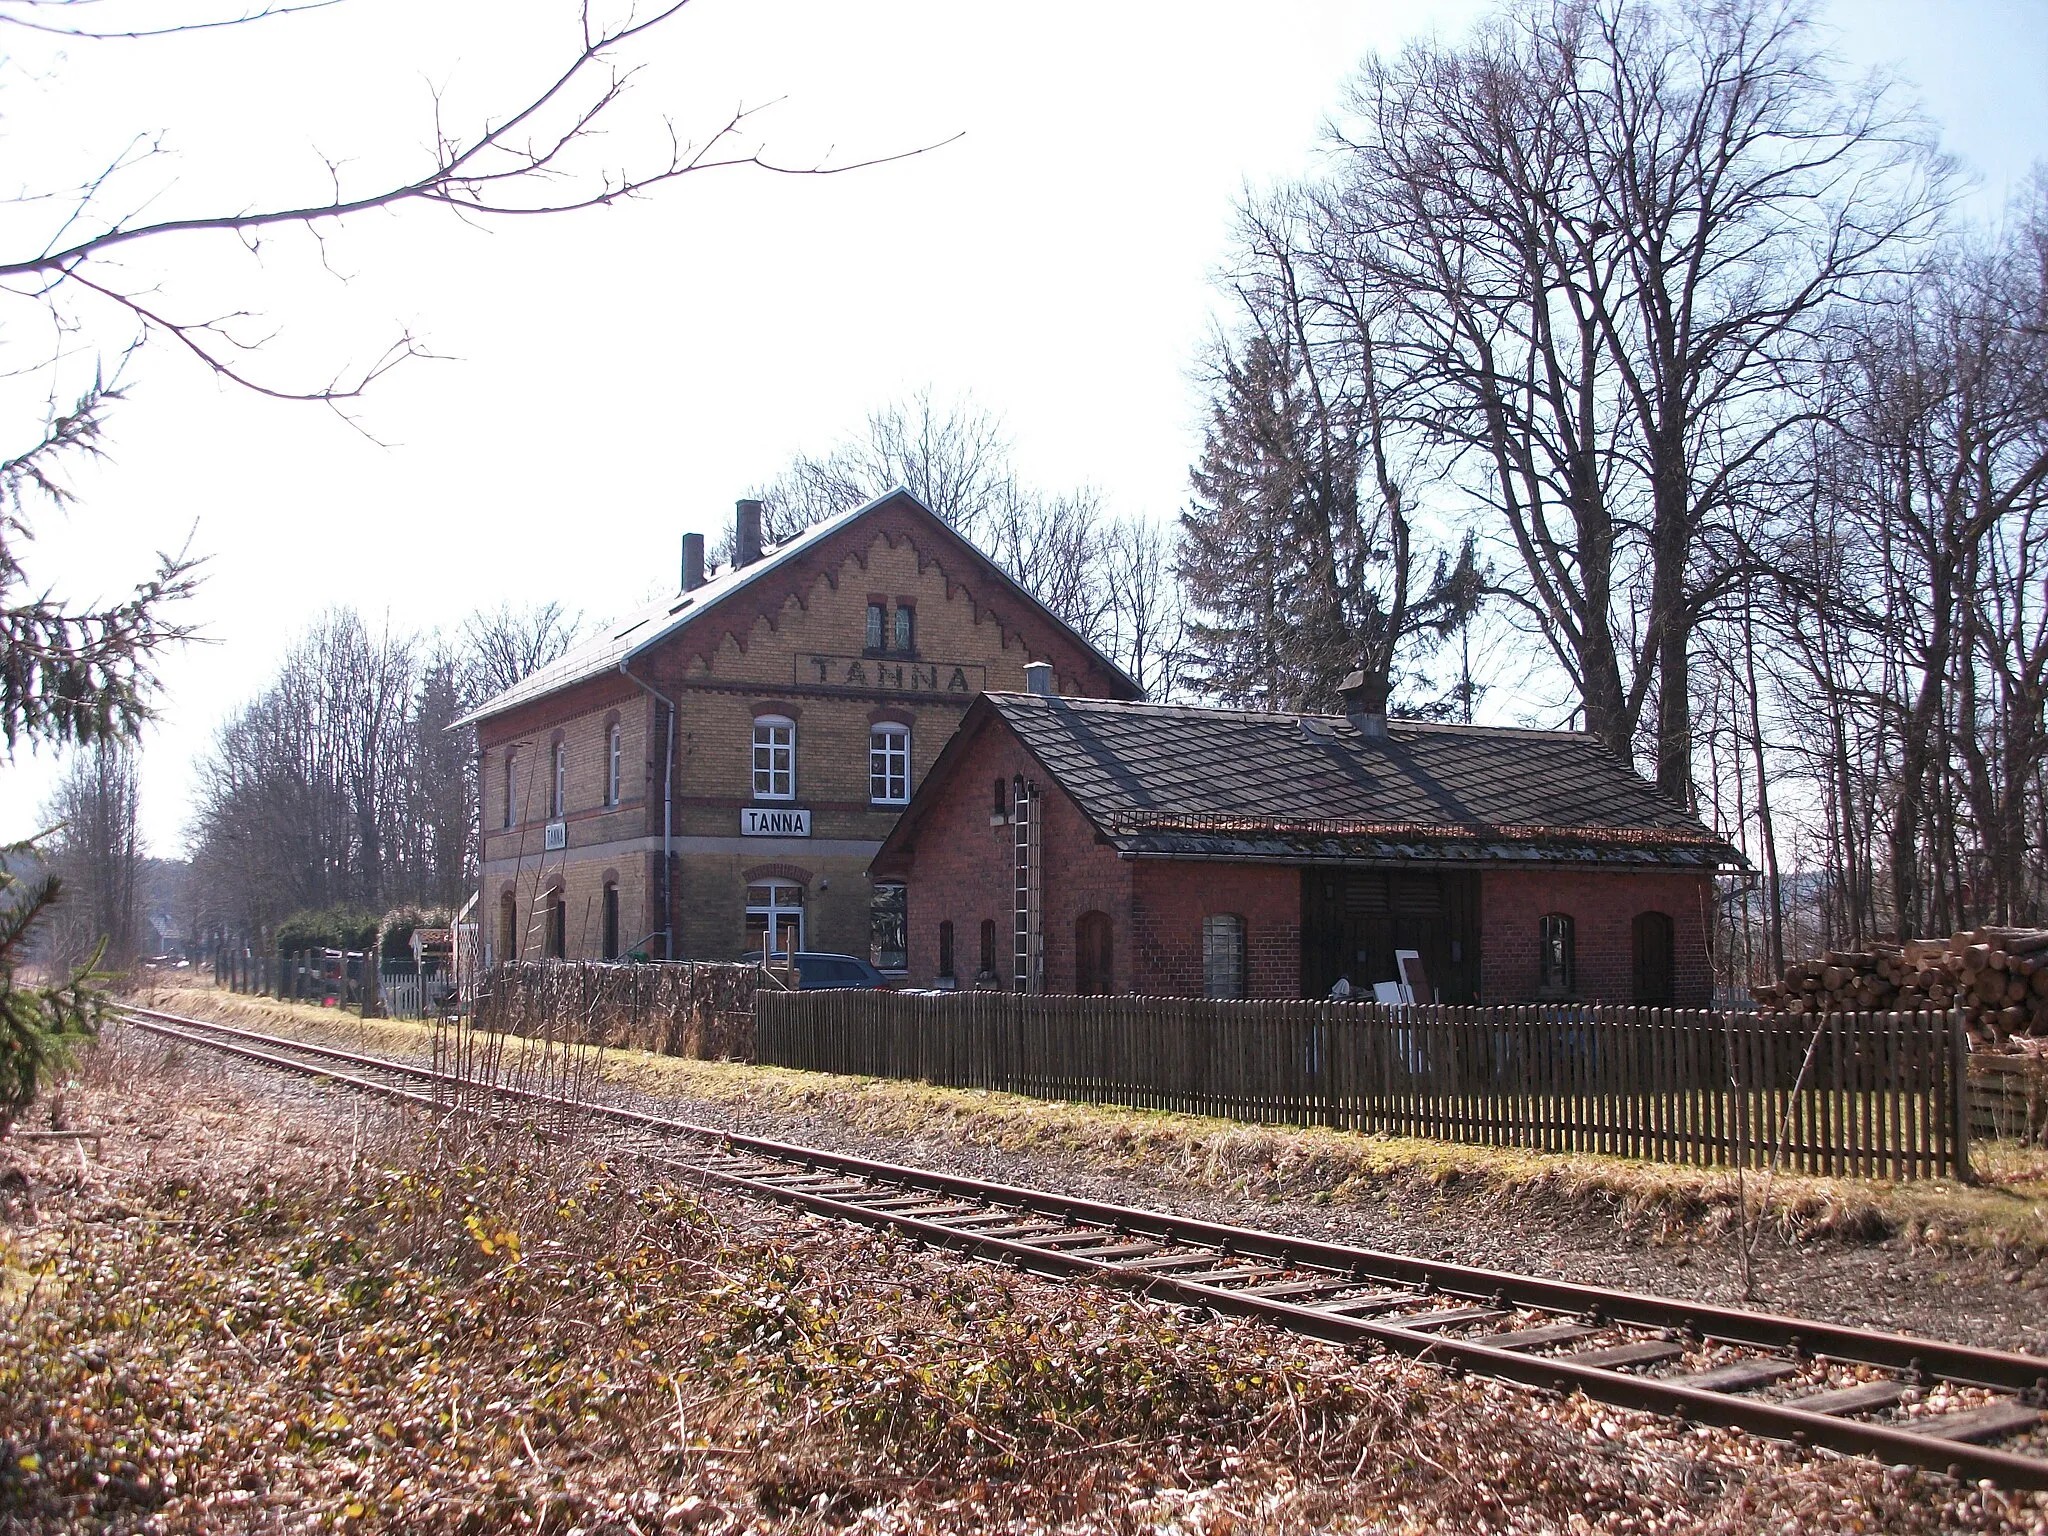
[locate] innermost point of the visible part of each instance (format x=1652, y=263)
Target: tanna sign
x=781, y=822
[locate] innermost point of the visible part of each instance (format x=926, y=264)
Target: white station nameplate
x=778, y=821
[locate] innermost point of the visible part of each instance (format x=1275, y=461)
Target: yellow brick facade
x=792, y=643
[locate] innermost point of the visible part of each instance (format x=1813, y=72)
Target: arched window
x=1651, y=938
x=557, y=913
x=1094, y=941
x=508, y=927
x=558, y=780
x=1223, y=955
x=614, y=762
x=946, y=949
x=988, y=969
x=774, y=757
x=889, y=764
x=611, y=916
x=999, y=813
x=511, y=795
x=775, y=907
x=1556, y=962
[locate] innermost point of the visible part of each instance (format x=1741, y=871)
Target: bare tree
x=499, y=646
x=1300, y=552
x=1618, y=225
x=95, y=850
x=87, y=265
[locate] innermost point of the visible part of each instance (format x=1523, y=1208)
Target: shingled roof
x=624, y=640
x=1168, y=781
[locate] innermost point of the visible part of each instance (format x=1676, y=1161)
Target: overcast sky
x=613, y=379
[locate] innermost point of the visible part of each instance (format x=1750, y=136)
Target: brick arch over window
x=793, y=872
x=892, y=714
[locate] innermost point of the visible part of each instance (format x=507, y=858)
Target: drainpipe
x=668, y=780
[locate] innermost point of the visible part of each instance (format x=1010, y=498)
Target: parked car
x=815, y=970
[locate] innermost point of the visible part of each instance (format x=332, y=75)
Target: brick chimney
x=1365, y=703
x=693, y=561
x=746, y=534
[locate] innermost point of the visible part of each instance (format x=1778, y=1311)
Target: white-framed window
x=1223, y=955
x=558, y=793
x=613, y=763
x=511, y=793
x=889, y=764
x=774, y=758
x=775, y=907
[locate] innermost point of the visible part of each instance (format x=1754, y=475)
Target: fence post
x=1959, y=1069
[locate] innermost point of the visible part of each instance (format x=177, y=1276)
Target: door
x=1354, y=922
x=1651, y=933
x=1093, y=942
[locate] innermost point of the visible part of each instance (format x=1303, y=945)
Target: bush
x=335, y=928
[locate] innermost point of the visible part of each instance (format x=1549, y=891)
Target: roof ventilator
x=1365, y=703
x=746, y=533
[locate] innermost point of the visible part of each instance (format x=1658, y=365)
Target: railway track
x=1972, y=1413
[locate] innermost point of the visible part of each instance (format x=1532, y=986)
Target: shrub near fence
x=1878, y=1095
x=688, y=1008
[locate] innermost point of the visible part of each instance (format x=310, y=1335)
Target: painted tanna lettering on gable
x=874, y=674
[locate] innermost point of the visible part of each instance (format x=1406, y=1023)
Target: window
x=1555, y=962
x=508, y=927
x=946, y=949
x=774, y=758
x=611, y=916
x=999, y=812
x=777, y=907
x=877, y=614
x=988, y=952
x=1223, y=955
x=558, y=926
x=889, y=764
x=558, y=794
x=888, y=931
x=511, y=798
x=1651, y=936
x=613, y=756
x=906, y=628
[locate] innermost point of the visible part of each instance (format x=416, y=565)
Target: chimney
x=746, y=534
x=693, y=561
x=1365, y=703
x=1038, y=677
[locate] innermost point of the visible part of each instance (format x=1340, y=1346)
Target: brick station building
x=732, y=757
x=1095, y=845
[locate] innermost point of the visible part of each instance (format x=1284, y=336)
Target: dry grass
x=2005, y=1212
x=267, y=1309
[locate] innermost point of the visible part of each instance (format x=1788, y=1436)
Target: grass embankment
x=259, y=1313
x=2005, y=1212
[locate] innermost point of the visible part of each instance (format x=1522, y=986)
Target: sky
x=605, y=381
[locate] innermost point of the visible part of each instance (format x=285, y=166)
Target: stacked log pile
x=1998, y=977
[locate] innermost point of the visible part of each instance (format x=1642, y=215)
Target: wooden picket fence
x=1879, y=1095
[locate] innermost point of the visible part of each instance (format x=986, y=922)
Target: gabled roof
x=1160, y=780
x=626, y=638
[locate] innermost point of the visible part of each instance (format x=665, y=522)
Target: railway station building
x=1095, y=845
x=726, y=762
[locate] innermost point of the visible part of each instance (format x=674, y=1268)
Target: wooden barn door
x=1651, y=933
x=1094, y=946
x=1354, y=920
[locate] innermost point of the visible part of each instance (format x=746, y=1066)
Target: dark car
x=816, y=970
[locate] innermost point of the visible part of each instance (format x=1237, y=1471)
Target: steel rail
x=1133, y=1248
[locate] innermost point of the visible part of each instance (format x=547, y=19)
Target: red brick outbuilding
x=1091, y=845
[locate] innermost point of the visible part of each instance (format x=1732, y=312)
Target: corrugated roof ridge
x=1276, y=717
x=604, y=650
